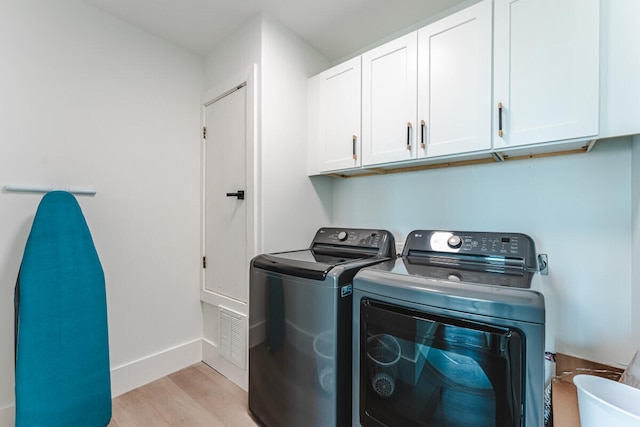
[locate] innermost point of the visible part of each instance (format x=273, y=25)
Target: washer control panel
x=354, y=237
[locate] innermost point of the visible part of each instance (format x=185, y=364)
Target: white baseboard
x=8, y=416
x=137, y=373
x=212, y=357
x=143, y=371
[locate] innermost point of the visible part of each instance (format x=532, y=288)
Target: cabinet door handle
x=500, y=119
x=422, y=126
x=409, y=126
x=355, y=156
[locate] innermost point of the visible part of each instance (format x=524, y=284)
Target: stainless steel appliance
x=450, y=334
x=300, y=314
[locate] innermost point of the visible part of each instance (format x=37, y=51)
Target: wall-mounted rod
x=42, y=189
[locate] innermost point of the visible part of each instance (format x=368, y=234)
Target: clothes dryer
x=450, y=334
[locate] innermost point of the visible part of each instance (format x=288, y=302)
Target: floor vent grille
x=232, y=337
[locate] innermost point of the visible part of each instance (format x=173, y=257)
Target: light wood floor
x=195, y=396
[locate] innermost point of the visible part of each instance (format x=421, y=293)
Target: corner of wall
x=288, y=62
x=147, y=369
x=635, y=242
x=239, y=51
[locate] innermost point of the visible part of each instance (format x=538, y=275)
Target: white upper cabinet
x=619, y=68
x=389, y=80
x=507, y=76
x=339, y=117
x=454, y=83
x=546, y=81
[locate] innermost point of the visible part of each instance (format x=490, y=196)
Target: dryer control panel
x=515, y=246
x=474, y=243
x=505, y=259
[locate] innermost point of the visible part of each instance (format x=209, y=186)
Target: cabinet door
x=389, y=80
x=340, y=116
x=619, y=68
x=545, y=70
x=454, y=83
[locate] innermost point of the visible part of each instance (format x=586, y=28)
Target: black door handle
x=500, y=119
x=239, y=194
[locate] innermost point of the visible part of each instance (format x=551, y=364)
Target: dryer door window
x=423, y=369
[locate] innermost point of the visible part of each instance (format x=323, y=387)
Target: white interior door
x=225, y=240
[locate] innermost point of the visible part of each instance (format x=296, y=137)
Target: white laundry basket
x=604, y=402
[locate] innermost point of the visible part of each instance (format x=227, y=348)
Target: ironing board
x=62, y=349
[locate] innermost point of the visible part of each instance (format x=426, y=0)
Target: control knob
x=454, y=242
x=342, y=236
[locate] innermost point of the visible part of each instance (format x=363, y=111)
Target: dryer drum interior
x=450, y=372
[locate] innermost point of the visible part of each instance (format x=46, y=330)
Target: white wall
x=635, y=253
x=87, y=100
x=235, y=54
x=294, y=207
x=577, y=209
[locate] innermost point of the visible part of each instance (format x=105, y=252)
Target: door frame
x=248, y=78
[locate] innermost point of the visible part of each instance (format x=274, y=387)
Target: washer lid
x=308, y=263
x=331, y=247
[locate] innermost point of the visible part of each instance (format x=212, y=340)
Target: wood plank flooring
x=195, y=396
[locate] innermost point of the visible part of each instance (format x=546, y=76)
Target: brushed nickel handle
x=354, y=139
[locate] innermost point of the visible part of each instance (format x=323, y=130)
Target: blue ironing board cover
x=62, y=348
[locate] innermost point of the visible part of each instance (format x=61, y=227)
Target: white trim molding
x=145, y=370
